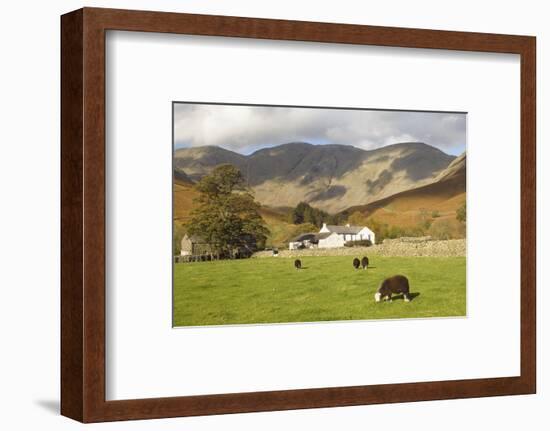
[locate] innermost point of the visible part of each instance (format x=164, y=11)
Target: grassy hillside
x=279, y=228
x=184, y=193
x=421, y=211
x=276, y=220
x=270, y=290
x=431, y=208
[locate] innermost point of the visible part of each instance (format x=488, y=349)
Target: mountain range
x=333, y=178
x=441, y=197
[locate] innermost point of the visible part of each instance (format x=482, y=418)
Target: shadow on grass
x=411, y=295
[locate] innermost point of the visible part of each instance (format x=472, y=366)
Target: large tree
x=305, y=213
x=227, y=216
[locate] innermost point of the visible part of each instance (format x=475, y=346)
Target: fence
x=207, y=257
x=197, y=258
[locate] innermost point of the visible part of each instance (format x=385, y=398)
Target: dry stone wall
x=409, y=246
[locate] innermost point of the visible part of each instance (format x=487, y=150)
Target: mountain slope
x=184, y=194
x=448, y=184
x=199, y=161
x=441, y=198
x=330, y=177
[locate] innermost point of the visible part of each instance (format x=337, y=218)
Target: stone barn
x=193, y=245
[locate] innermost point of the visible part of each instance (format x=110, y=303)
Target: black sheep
x=356, y=263
x=298, y=264
x=365, y=262
x=393, y=285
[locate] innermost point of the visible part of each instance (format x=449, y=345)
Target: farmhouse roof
x=324, y=235
x=345, y=229
x=304, y=237
x=311, y=236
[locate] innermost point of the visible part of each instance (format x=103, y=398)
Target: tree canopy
x=461, y=213
x=227, y=216
x=305, y=213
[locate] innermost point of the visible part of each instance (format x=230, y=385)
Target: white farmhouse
x=339, y=235
x=331, y=236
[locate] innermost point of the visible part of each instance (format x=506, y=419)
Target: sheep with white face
x=398, y=284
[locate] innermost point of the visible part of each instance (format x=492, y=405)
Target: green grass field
x=270, y=290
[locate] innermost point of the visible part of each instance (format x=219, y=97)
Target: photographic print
x=308, y=214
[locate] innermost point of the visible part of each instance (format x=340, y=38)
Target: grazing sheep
x=396, y=284
x=365, y=262
x=298, y=264
x=356, y=263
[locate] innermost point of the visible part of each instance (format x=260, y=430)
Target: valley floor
x=328, y=288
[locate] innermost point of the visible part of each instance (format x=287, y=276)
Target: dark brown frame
x=83, y=214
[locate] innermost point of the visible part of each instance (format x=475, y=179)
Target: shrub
x=379, y=228
x=358, y=219
x=423, y=226
x=358, y=243
x=442, y=230
x=461, y=213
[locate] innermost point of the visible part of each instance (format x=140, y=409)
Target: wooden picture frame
x=83, y=386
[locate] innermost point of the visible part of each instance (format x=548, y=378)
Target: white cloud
x=247, y=128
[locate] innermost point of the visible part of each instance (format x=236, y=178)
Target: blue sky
x=245, y=129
